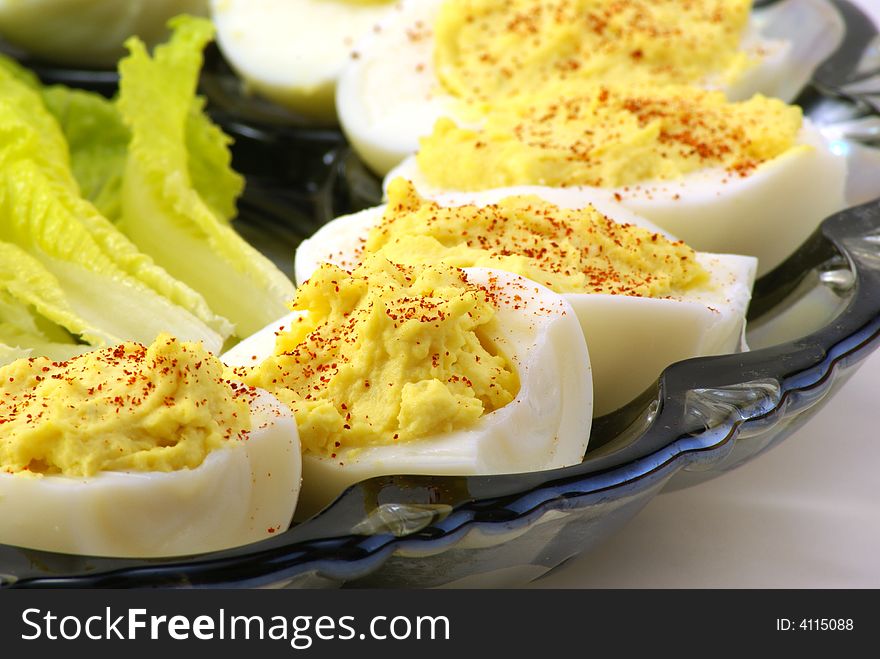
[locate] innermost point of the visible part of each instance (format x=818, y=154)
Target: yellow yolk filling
x=130, y=407
x=567, y=250
x=387, y=354
x=487, y=50
x=608, y=136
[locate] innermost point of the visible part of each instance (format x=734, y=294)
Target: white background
x=804, y=515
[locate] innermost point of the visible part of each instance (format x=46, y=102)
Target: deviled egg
x=458, y=58
x=643, y=299
x=135, y=451
x=391, y=369
x=752, y=177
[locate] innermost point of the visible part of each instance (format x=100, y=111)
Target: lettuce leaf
x=210, y=163
x=163, y=211
x=16, y=71
x=39, y=139
x=26, y=289
x=41, y=214
x=97, y=141
x=21, y=327
x=29, y=290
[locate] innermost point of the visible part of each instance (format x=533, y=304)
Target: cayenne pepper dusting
x=50, y=410
x=569, y=250
x=609, y=136
x=358, y=367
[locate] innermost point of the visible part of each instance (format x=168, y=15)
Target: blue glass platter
x=701, y=418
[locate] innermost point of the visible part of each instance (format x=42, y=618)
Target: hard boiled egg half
x=141, y=452
x=88, y=32
x=396, y=370
x=292, y=51
x=456, y=58
x=635, y=324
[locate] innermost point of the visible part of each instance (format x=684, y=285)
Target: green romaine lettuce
x=41, y=215
x=32, y=305
x=24, y=329
x=29, y=291
x=154, y=163
x=97, y=141
x=15, y=70
x=39, y=140
x=210, y=163
x=164, y=212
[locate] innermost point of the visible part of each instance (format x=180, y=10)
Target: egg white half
x=292, y=51
x=792, y=38
x=241, y=493
x=766, y=214
x=630, y=339
x=546, y=426
x=390, y=96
